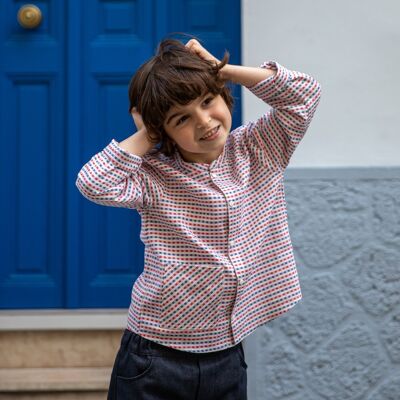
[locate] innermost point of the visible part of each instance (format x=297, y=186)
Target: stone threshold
x=54, y=379
x=60, y=319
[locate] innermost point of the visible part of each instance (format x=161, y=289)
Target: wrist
x=246, y=76
x=224, y=72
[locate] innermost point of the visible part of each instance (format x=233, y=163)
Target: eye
x=181, y=120
x=208, y=100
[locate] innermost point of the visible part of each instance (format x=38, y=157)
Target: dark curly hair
x=173, y=76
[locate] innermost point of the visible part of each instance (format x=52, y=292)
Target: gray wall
x=342, y=341
x=352, y=48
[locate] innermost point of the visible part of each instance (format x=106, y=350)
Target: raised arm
x=114, y=176
x=293, y=96
x=246, y=76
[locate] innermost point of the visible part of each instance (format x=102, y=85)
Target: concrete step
x=59, y=349
x=54, y=396
x=54, y=383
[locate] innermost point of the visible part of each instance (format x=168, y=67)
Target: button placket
x=231, y=208
x=231, y=239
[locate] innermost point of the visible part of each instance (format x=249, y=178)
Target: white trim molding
x=58, y=319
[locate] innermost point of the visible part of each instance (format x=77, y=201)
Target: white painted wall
x=352, y=47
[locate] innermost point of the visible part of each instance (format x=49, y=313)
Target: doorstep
x=60, y=319
x=54, y=379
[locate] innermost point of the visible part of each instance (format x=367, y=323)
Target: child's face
x=187, y=124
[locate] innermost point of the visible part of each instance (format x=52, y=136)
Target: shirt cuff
x=274, y=84
x=121, y=158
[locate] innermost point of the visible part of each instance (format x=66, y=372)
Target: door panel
x=117, y=38
x=32, y=158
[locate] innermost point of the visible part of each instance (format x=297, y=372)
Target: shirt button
x=241, y=281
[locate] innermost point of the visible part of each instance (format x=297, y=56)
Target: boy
x=218, y=256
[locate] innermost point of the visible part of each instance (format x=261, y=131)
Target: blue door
x=63, y=88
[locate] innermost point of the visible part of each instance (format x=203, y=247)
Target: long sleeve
x=293, y=97
x=114, y=177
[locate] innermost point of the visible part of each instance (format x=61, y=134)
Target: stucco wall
x=341, y=342
x=351, y=47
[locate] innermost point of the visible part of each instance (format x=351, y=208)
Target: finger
x=191, y=42
x=195, y=47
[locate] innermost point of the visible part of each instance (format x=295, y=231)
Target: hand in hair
x=195, y=47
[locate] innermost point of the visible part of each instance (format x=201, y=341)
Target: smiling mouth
x=211, y=133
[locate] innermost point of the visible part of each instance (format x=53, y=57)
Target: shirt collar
x=196, y=167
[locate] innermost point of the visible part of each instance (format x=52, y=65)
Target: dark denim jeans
x=145, y=370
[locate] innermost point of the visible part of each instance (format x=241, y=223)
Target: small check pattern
x=218, y=256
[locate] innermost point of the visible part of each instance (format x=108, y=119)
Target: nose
x=203, y=120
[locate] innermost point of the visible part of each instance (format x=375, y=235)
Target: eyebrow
x=175, y=115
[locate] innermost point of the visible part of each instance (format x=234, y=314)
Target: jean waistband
x=142, y=346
